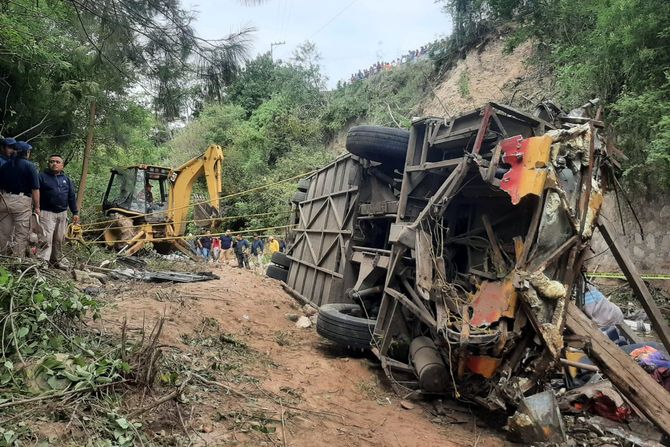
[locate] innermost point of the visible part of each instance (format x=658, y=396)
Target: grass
x=464, y=84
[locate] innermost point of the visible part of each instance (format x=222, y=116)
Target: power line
x=332, y=19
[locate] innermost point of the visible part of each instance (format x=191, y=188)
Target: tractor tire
x=303, y=184
x=276, y=272
x=376, y=143
x=341, y=324
x=299, y=196
x=281, y=259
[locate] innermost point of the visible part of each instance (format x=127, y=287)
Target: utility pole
x=275, y=44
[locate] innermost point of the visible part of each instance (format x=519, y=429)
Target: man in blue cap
x=19, y=196
x=6, y=149
x=57, y=194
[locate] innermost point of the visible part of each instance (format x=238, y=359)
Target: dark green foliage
x=618, y=50
x=389, y=98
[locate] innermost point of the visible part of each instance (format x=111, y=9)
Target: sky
x=349, y=34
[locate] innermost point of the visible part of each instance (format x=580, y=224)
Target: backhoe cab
x=151, y=203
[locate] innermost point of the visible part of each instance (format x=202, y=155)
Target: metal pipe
x=579, y=365
x=365, y=292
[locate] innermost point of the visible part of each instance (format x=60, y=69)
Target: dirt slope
x=488, y=73
x=330, y=397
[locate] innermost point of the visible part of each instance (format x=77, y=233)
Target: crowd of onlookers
x=226, y=248
x=378, y=67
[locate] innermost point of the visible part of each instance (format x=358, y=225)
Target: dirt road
x=290, y=387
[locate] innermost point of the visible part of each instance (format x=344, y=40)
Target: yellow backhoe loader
x=150, y=204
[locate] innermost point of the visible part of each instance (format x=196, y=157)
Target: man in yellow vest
x=273, y=245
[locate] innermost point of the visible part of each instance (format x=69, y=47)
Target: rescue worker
x=241, y=248
x=6, y=149
x=273, y=245
x=148, y=195
x=257, y=248
x=204, y=244
x=57, y=194
x=19, y=196
x=227, y=247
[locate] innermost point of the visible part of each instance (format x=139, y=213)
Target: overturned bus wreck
x=455, y=250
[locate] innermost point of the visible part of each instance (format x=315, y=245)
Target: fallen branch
x=56, y=395
x=222, y=385
x=392, y=117
x=283, y=424
x=162, y=400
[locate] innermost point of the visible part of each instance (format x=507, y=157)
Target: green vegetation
x=142, y=70
x=464, y=84
x=62, y=60
x=277, y=120
x=147, y=74
x=617, y=50
x=49, y=355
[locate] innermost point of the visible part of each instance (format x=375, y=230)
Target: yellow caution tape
x=223, y=197
x=645, y=276
x=187, y=237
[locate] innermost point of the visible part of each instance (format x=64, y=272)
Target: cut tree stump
x=629, y=378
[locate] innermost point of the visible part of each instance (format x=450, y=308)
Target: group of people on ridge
x=222, y=249
x=377, y=67
x=33, y=205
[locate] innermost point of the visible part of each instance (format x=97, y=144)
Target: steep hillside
x=489, y=73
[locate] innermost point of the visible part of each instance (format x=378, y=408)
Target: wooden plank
x=629, y=333
x=640, y=289
x=629, y=378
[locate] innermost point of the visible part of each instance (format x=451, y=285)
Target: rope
x=187, y=221
x=195, y=236
x=611, y=275
x=227, y=196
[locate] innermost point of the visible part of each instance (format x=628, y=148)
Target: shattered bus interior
x=455, y=250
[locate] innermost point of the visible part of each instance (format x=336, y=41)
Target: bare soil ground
x=489, y=73
x=286, y=386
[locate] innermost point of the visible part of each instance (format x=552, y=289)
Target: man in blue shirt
x=57, y=194
x=19, y=196
x=204, y=243
x=257, y=248
x=6, y=149
x=241, y=248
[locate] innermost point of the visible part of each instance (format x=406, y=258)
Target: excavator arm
x=209, y=164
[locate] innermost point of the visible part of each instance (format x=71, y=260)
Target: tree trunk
x=87, y=156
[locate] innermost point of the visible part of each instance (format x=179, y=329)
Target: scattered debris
x=538, y=419
x=162, y=276
x=461, y=243
x=303, y=322
x=309, y=310
x=407, y=405
x=292, y=317
x=599, y=398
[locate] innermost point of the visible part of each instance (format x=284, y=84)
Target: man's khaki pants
x=54, y=226
x=15, y=211
x=257, y=261
x=228, y=255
